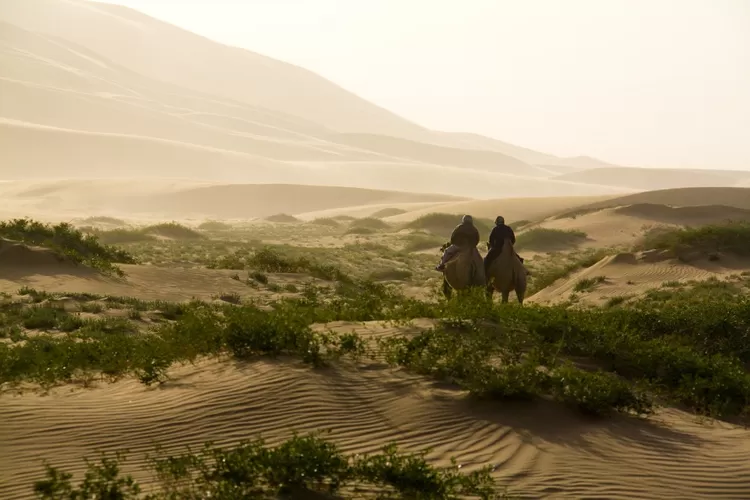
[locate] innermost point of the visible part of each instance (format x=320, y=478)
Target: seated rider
x=499, y=234
x=465, y=235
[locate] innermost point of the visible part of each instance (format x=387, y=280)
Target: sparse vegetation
x=68, y=242
x=326, y=221
x=588, y=284
x=682, y=344
x=442, y=224
x=545, y=240
x=103, y=219
x=370, y=223
x=295, y=468
x=388, y=212
x=173, y=230
x=271, y=261
x=564, y=266
x=214, y=225
x=284, y=218
x=732, y=237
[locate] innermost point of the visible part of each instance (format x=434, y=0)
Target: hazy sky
x=640, y=82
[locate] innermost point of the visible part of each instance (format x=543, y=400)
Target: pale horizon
x=619, y=81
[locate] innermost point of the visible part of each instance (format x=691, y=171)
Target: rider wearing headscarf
x=498, y=235
x=465, y=235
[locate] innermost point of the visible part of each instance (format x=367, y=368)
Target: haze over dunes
x=199, y=242
x=111, y=92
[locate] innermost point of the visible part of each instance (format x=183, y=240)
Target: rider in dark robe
x=465, y=235
x=499, y=234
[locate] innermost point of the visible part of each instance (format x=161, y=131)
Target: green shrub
x=214, y=225
x=544, y=239
x=174, y=231
x=297, y=467
x=68, y=241
x=731, y=237
x=284, y=218
x=388, y=212
x=325, y=221
x=442, y=224
x=588, y=284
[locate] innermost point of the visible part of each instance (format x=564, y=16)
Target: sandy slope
x=539, y=450
x=657, y=178
x=736, y=197
x=630, y=275
x=513, y=209
x=180, y=199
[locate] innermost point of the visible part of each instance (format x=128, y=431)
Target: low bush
x=388, y=212
x=325, y=221
x=731, y=237
x=174, y=231
x=442, y=224
x=544, y=239
x=284, y=218
x=297, y=467
x=214, y=225
x=69, y=242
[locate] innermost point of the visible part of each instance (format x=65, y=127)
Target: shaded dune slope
x=365, y=409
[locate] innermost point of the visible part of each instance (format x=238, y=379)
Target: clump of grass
x=616, y=301
x=325, y=221
x=103, y=219
x=361, y=230
x=214, y=225
x=284, y=218
x=391, y=275
x=516, y=225
x=544, y=239
x=271, y=261
x=388, y=212
x=370, y=223
x=442, y=224
x=564, y=267
x=259, y=277
x=121, y=236
x=174, y=231
x=588, y=284
x=69, y=242
x=731, y=237
x=232, y=298
x=298, y=467
x=419, y=242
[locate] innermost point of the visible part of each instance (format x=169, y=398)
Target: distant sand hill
x=110, y=92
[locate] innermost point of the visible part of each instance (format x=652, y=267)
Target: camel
x=507, y=273
x=463, y=271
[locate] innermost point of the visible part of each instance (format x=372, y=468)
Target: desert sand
x=106, y=112
x=539, y=449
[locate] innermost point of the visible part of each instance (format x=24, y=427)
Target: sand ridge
x=537, y=450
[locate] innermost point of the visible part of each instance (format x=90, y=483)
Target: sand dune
x=736, y=197
x=72, y=65
x=513, y=209
x=657, y=178
x=365, y=409
x=137, y=198
x=631, y=275
x=17, y=259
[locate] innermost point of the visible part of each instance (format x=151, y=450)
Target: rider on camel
x=499, y=234
x=465, y=235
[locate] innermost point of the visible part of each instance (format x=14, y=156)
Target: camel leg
x=505, y=296
x=447, y=290
x=519, y=295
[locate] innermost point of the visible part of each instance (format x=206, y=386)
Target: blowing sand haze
x=202, y=244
